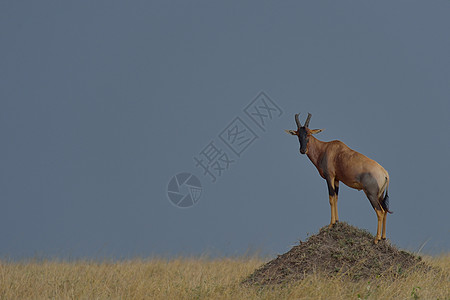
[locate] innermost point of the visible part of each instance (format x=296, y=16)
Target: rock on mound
x=343, y=249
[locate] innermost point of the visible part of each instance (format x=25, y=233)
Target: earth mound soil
x=342, y=250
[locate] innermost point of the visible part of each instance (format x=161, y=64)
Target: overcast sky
x=102, y=103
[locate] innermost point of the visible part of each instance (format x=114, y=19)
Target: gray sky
x=102, y=103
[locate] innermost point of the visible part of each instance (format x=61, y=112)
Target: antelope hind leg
x=380, y=221
x=383, y=235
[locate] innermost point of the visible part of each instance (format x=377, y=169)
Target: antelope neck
x=315, y=149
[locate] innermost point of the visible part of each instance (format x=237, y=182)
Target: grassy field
x=200, y=278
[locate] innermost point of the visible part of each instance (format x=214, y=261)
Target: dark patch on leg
x=368, y=182
x=373, y=201
x=331, y=190
x=370, y=187
x=336, y=190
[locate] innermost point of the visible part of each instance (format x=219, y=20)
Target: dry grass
x=201, y=278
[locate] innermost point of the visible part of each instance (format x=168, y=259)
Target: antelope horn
x=308, y=119
x=297, y=121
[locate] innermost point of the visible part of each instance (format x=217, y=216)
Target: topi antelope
x=336, y=162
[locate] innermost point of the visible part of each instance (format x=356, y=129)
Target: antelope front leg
x=333, y=204
x=336, y=190
x=333, y=216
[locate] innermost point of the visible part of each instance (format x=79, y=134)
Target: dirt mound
x=342, y=250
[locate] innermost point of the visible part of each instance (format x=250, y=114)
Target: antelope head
x=303, y=133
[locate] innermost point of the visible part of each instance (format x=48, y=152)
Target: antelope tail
x=385, y=202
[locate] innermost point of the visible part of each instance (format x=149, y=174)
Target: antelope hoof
x=376, y=241
x=383, y=238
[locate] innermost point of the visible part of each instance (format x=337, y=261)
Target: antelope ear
x=314, y=131
x=291, y=132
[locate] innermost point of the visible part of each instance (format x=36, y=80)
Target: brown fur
x=336, y=160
